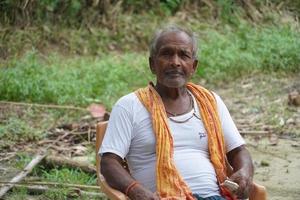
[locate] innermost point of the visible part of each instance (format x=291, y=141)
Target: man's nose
x=175, y=61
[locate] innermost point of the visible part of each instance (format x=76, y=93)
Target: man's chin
x=175, y=83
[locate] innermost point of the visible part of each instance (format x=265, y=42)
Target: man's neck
x=171, y=93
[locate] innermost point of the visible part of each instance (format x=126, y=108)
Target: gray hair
x=170, y=29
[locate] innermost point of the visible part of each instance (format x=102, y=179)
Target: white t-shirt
x=130, y=134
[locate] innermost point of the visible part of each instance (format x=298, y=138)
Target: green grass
x=18, y=193
x=226, y=53
x=66, y=175
x=235, y=52
x=76, y=81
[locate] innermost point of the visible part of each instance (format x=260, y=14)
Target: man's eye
x=186, y=55
x=165, y=53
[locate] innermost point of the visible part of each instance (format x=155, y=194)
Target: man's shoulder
x=217, y=97
x=130, y=106
x=127, y=100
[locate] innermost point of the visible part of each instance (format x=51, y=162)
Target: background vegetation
x=77, y=52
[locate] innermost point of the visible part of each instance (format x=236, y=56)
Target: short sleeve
x=232, y=137
x=118, y=134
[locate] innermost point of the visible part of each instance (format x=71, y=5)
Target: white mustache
x=174, y=72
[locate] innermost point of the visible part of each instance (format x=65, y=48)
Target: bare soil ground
x=271, y=127
x=277, y=168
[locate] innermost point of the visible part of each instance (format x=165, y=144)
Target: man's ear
x=195, y=65
x=151, y=65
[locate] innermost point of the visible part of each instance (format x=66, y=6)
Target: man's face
x=173, y=64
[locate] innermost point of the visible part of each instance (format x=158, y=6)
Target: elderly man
x=177, y=137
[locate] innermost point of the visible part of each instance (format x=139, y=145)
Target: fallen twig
x=54, y=184
x=32, y=178
x=9, y=156
x=7, y=153
x=254, y=133
x=58, y=148
x=22, y=174
x=39, y=189
x=43, y=105
x=247, y=125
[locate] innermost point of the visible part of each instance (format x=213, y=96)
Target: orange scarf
x=170, y=185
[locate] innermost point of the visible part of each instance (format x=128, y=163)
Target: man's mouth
x=174, y=73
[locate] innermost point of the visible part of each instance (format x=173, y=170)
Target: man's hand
x=244, y=180
x=140, y=193
x=241, y=162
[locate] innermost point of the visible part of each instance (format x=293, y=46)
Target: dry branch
x=254, y=133
x=244, y=125
x=63, y=161
x=9, y=156
x=22, y=174
x=64, y=184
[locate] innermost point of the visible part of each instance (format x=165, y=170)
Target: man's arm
x=241, y=161
x=119, y=178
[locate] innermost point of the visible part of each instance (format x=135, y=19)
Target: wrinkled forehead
x=175, y=38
